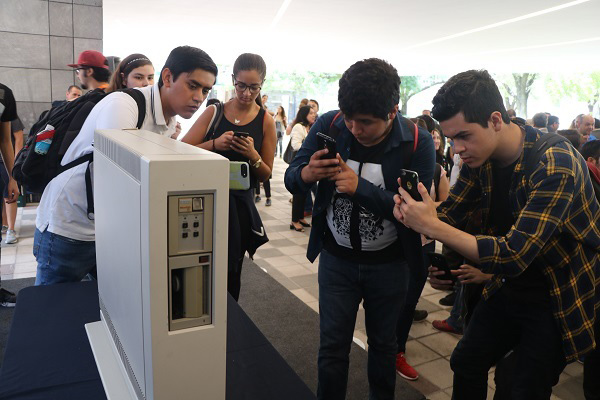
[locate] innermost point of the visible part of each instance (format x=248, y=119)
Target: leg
x=487, y=338
x=298, y=207
x=416, y=282
x=62, y=259
x=339, y=296
x=591, y=368
x=11, y=215
x=267, y=186
x=384, y=290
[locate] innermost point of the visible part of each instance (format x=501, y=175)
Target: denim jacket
x=377, y=200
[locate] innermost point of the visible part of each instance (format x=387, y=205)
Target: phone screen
x=241, y=134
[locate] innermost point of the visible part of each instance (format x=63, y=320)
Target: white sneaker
x=11, y=237
x=4, y=228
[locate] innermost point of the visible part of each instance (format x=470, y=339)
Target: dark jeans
x=308, y=204
x=298, y=207
x=591, y=368
x=416, y=283
x=342, y=286
x=498, y=325
x=267, y=186
x=279, y=145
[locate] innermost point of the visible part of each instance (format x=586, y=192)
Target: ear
x=496, y=120
x=394, y=112
x=167, y=77
x=123, y=81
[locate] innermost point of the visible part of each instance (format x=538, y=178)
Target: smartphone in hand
x=409, y=182
x=241, y=134
x=441, y=263
x=326, y=142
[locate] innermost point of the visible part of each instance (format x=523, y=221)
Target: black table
x=48, y=355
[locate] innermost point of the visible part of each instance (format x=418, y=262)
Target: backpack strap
x=407, y=150
x=140, y=100
x=215, y=121
x=538, y=150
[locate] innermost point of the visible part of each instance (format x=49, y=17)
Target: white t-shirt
x=63, y=207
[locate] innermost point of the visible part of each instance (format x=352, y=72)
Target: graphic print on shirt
x=375, y=232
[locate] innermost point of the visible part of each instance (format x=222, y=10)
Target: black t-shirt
x=530, y=286
x=8, y=106
x=354, y=233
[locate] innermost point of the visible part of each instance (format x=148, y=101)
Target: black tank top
x=254, y=128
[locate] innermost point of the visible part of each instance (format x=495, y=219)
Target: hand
x=469, y=274
x=436, y=283
x=347, y=180
x=13, y=191
x=420, y=216
x=245, y=146
x=318, y=168
x=223, y=142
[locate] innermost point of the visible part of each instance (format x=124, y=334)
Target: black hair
x=573, y=136
x=371, y=87
x=251, y=62
x=187, y=59
x=540, y=120
x=552, y=120
x=429, y=122
x=212, y=101
x=511, y=113
x=419, y=122
x=596, y=123
x=125, y=67
x=99, y=74
x=73, y=86
x=316, y=102
x=474, y=93
x=591, y=149
x=301, y=116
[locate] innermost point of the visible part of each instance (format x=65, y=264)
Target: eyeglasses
x=241, y=87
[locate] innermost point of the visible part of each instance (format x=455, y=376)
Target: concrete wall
x=38, y=38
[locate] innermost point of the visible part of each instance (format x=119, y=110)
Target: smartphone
x=241, y=134
x=326, y=142
x=239, y=175
x=409, y=182
x=441, y=263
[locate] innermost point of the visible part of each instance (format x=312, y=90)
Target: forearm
x=18, y=143
x=459, y=241
x=6, y=148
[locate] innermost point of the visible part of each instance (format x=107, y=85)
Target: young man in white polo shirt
x=64, y=242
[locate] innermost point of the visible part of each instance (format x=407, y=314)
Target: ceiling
x=418, y=38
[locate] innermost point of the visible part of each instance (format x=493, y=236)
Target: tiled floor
x=284, y=258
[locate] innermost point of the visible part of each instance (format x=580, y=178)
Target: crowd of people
x=518, y=225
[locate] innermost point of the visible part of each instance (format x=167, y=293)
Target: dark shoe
x=444, y=327
x=420, y=315
x=296, y=229
x=257, y=199
x=303, y=223
x=448, y=301
x=7, y=299
x=268, y=202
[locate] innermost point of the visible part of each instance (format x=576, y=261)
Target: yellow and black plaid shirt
x=556, y=224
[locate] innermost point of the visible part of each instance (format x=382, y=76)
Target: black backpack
x=35, y=169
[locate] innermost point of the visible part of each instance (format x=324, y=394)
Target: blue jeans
x=62, y=259
x=342, y=286
x=456, y=320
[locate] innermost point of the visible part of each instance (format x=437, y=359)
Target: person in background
x=8, y=113
x=540, y=121
x=304, y=119
x=584, y=123
x=553, y=123
x=73, y=92
x=574, y=137
x=264, y=99
x=92, y=70
x=134, y=71
x=244, y=112
x=303, y=102
x=280, y=127
x=9, y=212
x=426, y=112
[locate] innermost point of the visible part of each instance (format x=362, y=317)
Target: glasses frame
x=253, y=89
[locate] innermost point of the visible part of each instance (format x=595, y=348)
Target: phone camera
x=244, y=170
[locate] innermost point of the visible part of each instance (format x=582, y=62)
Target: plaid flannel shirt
x=556, y=224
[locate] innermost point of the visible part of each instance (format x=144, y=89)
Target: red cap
x=90, y=58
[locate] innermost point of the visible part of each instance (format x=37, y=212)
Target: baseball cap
x=90, y=58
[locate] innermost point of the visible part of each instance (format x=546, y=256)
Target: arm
x=195, y=135
x=443, y=188
x=245, y=146
x=297, y=137
x=8, y=156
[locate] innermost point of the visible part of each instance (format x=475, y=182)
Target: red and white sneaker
x=404, y=369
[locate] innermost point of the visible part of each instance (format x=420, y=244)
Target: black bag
x=34, y=169
x=289, y=154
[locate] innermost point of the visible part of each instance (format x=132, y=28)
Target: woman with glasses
x=243, y=113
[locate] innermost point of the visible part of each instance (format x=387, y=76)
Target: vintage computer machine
x=161, y=213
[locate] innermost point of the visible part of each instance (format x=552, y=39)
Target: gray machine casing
x=135, y=174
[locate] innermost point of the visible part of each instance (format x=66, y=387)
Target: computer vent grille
x=127, y=160
x=136, y=385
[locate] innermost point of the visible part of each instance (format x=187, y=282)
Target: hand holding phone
x=326, y=142
x=410, y=181
x=241, y=134
x=440, y=262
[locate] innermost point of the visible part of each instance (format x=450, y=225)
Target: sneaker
x=7, y=299
x=11, y=237
x=257, y=199
x=443, y=326
x=4, y=228
x=404, y=369
x=420, y=315
x=268, y=202
x=448, y=301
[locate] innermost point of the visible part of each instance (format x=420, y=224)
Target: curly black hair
x=371, y=87
x=474, y=93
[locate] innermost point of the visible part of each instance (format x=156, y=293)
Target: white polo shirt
x=63, y=207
